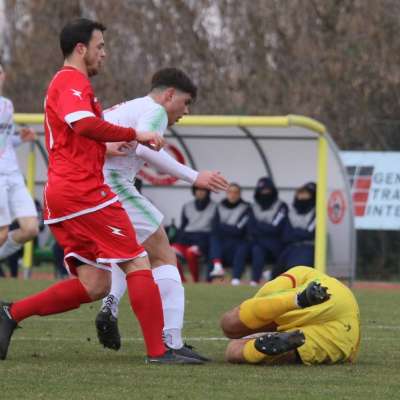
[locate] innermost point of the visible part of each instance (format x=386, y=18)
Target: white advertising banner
x=375, y=188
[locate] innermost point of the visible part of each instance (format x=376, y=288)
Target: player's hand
x=211, y=180
x=150, y=139
x=118, y=148
x=27, y=134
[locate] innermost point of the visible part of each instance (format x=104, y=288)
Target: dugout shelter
x=292, y=150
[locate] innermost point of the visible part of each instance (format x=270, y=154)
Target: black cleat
x=188, y=351
x=107, y=329
x=312, y=295
x=171, y=357
x=276, y=343
x=7, y=327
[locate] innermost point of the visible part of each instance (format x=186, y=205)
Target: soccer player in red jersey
x=84, y=215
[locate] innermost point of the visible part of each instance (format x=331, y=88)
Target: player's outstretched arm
x=167, y=164
x=211, y=180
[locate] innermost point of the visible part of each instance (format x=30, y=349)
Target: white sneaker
x=235, y=282
x=253, y=283
x=217, y=271
x=267, y=274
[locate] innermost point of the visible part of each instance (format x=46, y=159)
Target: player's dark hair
x=236, y=185
x=79, y=30
x=176, y=78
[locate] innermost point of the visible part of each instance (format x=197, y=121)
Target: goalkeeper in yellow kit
x=305, y=316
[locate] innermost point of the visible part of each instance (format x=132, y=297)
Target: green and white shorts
x=145, y=217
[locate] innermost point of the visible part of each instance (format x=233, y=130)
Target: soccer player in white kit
x=15, y=200
x=170, y=97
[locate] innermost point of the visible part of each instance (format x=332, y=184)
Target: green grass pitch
x=58, y=357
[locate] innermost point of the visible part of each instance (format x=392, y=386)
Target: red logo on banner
x=336, y=207
x=360, y=181
x=150, y=175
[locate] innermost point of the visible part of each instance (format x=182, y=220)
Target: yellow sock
x=260, y=311
x=251, y=354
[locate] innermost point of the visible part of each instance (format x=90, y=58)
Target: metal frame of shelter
x=246, y=124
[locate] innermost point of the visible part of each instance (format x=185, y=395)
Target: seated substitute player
x=306, y=317
x=170, y=97
x=84, y=215
x=228, y=233
x=15, y=200
x=298, y=233
x=194, y=235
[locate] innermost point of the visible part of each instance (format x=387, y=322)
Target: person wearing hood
x=264, y=228
x=229, y=230
x=193, y=237
x=299, y=231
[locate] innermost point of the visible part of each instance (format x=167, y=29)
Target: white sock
x=118, y=287
x=10, y=246
x=173, y=302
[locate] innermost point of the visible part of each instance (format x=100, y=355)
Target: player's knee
x=163, y=256
x=98, y=289
x=234, y=352
x=30, y=229
x=3, y=234
x=228, y=323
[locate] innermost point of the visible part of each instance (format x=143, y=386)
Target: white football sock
x=10, y=246
x=173, y=302
x=118, y=287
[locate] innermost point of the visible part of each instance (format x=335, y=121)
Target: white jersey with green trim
x=142, y=114
x=8, y=139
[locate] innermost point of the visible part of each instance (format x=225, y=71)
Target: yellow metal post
x=321, y=223
x=27, y=260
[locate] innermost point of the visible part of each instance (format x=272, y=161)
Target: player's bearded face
x=95, y=53
x=179, y=106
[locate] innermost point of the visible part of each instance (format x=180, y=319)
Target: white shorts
x=145, y=217
x=15, y=200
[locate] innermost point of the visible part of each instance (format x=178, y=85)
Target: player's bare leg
x=271, y=348
x=3, y=234
x=13, y=241
x=166, y=276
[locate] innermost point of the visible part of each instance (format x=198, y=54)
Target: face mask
x=303, y=206
x=265, y=201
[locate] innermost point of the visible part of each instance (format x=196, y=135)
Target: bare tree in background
x=334, y=60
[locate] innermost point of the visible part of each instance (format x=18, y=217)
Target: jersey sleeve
x=153, y=120
x=76, y=101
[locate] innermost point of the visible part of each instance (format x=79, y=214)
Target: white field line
x=137, y=339
x=126, y=339
x=382, y=327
